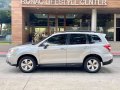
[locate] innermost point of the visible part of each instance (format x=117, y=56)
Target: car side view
x=89, y=49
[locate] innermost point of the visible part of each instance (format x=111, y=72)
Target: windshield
x=34, y=42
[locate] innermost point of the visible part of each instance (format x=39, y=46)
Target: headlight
x=13, y=50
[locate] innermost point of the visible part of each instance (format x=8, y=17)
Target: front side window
x=57, y=40
x=77, y=39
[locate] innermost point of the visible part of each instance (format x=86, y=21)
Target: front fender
x=30, y=51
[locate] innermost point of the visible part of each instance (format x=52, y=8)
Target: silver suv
x=69, y=48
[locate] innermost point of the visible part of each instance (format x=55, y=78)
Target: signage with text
x=64, y=2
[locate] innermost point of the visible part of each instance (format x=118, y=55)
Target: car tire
x=92, y=64
x=27, y=64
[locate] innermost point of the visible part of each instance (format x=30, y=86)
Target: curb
x=3, y=54
x=116, y=53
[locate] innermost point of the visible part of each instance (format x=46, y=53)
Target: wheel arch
x=30, y=55
x=93, y=55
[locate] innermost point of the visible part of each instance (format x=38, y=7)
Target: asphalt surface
x=11, y=78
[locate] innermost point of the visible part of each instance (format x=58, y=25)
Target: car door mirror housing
x=45, y=45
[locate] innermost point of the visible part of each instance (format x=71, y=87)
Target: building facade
x=44, y=17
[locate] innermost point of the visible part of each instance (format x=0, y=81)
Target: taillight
x=108, y=47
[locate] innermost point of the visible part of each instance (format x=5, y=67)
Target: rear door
x=77, y=48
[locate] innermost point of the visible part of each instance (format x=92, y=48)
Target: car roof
x=95, y=33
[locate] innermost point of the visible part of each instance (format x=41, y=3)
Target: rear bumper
x=108, y=62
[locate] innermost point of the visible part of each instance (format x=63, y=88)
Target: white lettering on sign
x=64, y=2
x=61, y=2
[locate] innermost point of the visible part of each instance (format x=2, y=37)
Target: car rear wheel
x=92, y=65
x=27, y=64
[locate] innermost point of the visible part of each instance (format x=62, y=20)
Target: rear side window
x=94, y=39
x=77, y=39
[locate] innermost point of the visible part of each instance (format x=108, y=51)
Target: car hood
x=27, y=46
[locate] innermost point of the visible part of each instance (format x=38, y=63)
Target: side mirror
x=45, y=45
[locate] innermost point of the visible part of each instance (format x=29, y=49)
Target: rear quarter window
x=94, y=39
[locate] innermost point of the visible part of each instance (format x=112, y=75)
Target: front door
x=56, y=50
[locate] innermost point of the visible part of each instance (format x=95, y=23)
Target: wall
x=19, y=35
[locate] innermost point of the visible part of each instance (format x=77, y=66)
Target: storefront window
x=105, y=24
x=5, y=21
x=5, y=31
x=78, y=22
x=61, y=23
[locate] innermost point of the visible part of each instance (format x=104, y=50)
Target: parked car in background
x=89, y=49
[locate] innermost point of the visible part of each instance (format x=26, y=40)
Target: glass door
x=61, y=23
x=78, y=22
x=56, y=23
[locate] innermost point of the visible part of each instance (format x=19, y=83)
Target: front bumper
x=11, y=60
x=11, y=63
x=108, y=62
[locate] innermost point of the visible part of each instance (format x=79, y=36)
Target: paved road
x=12, y=78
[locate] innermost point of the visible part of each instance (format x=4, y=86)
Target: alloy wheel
x=27, y=64
x=92, y=65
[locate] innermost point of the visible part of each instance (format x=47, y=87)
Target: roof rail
x=79, y=31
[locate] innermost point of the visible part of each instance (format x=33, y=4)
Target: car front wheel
x=27, y=64
x=92, y=65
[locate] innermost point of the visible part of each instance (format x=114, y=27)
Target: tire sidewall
x=27, y=57
x=86, y=61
